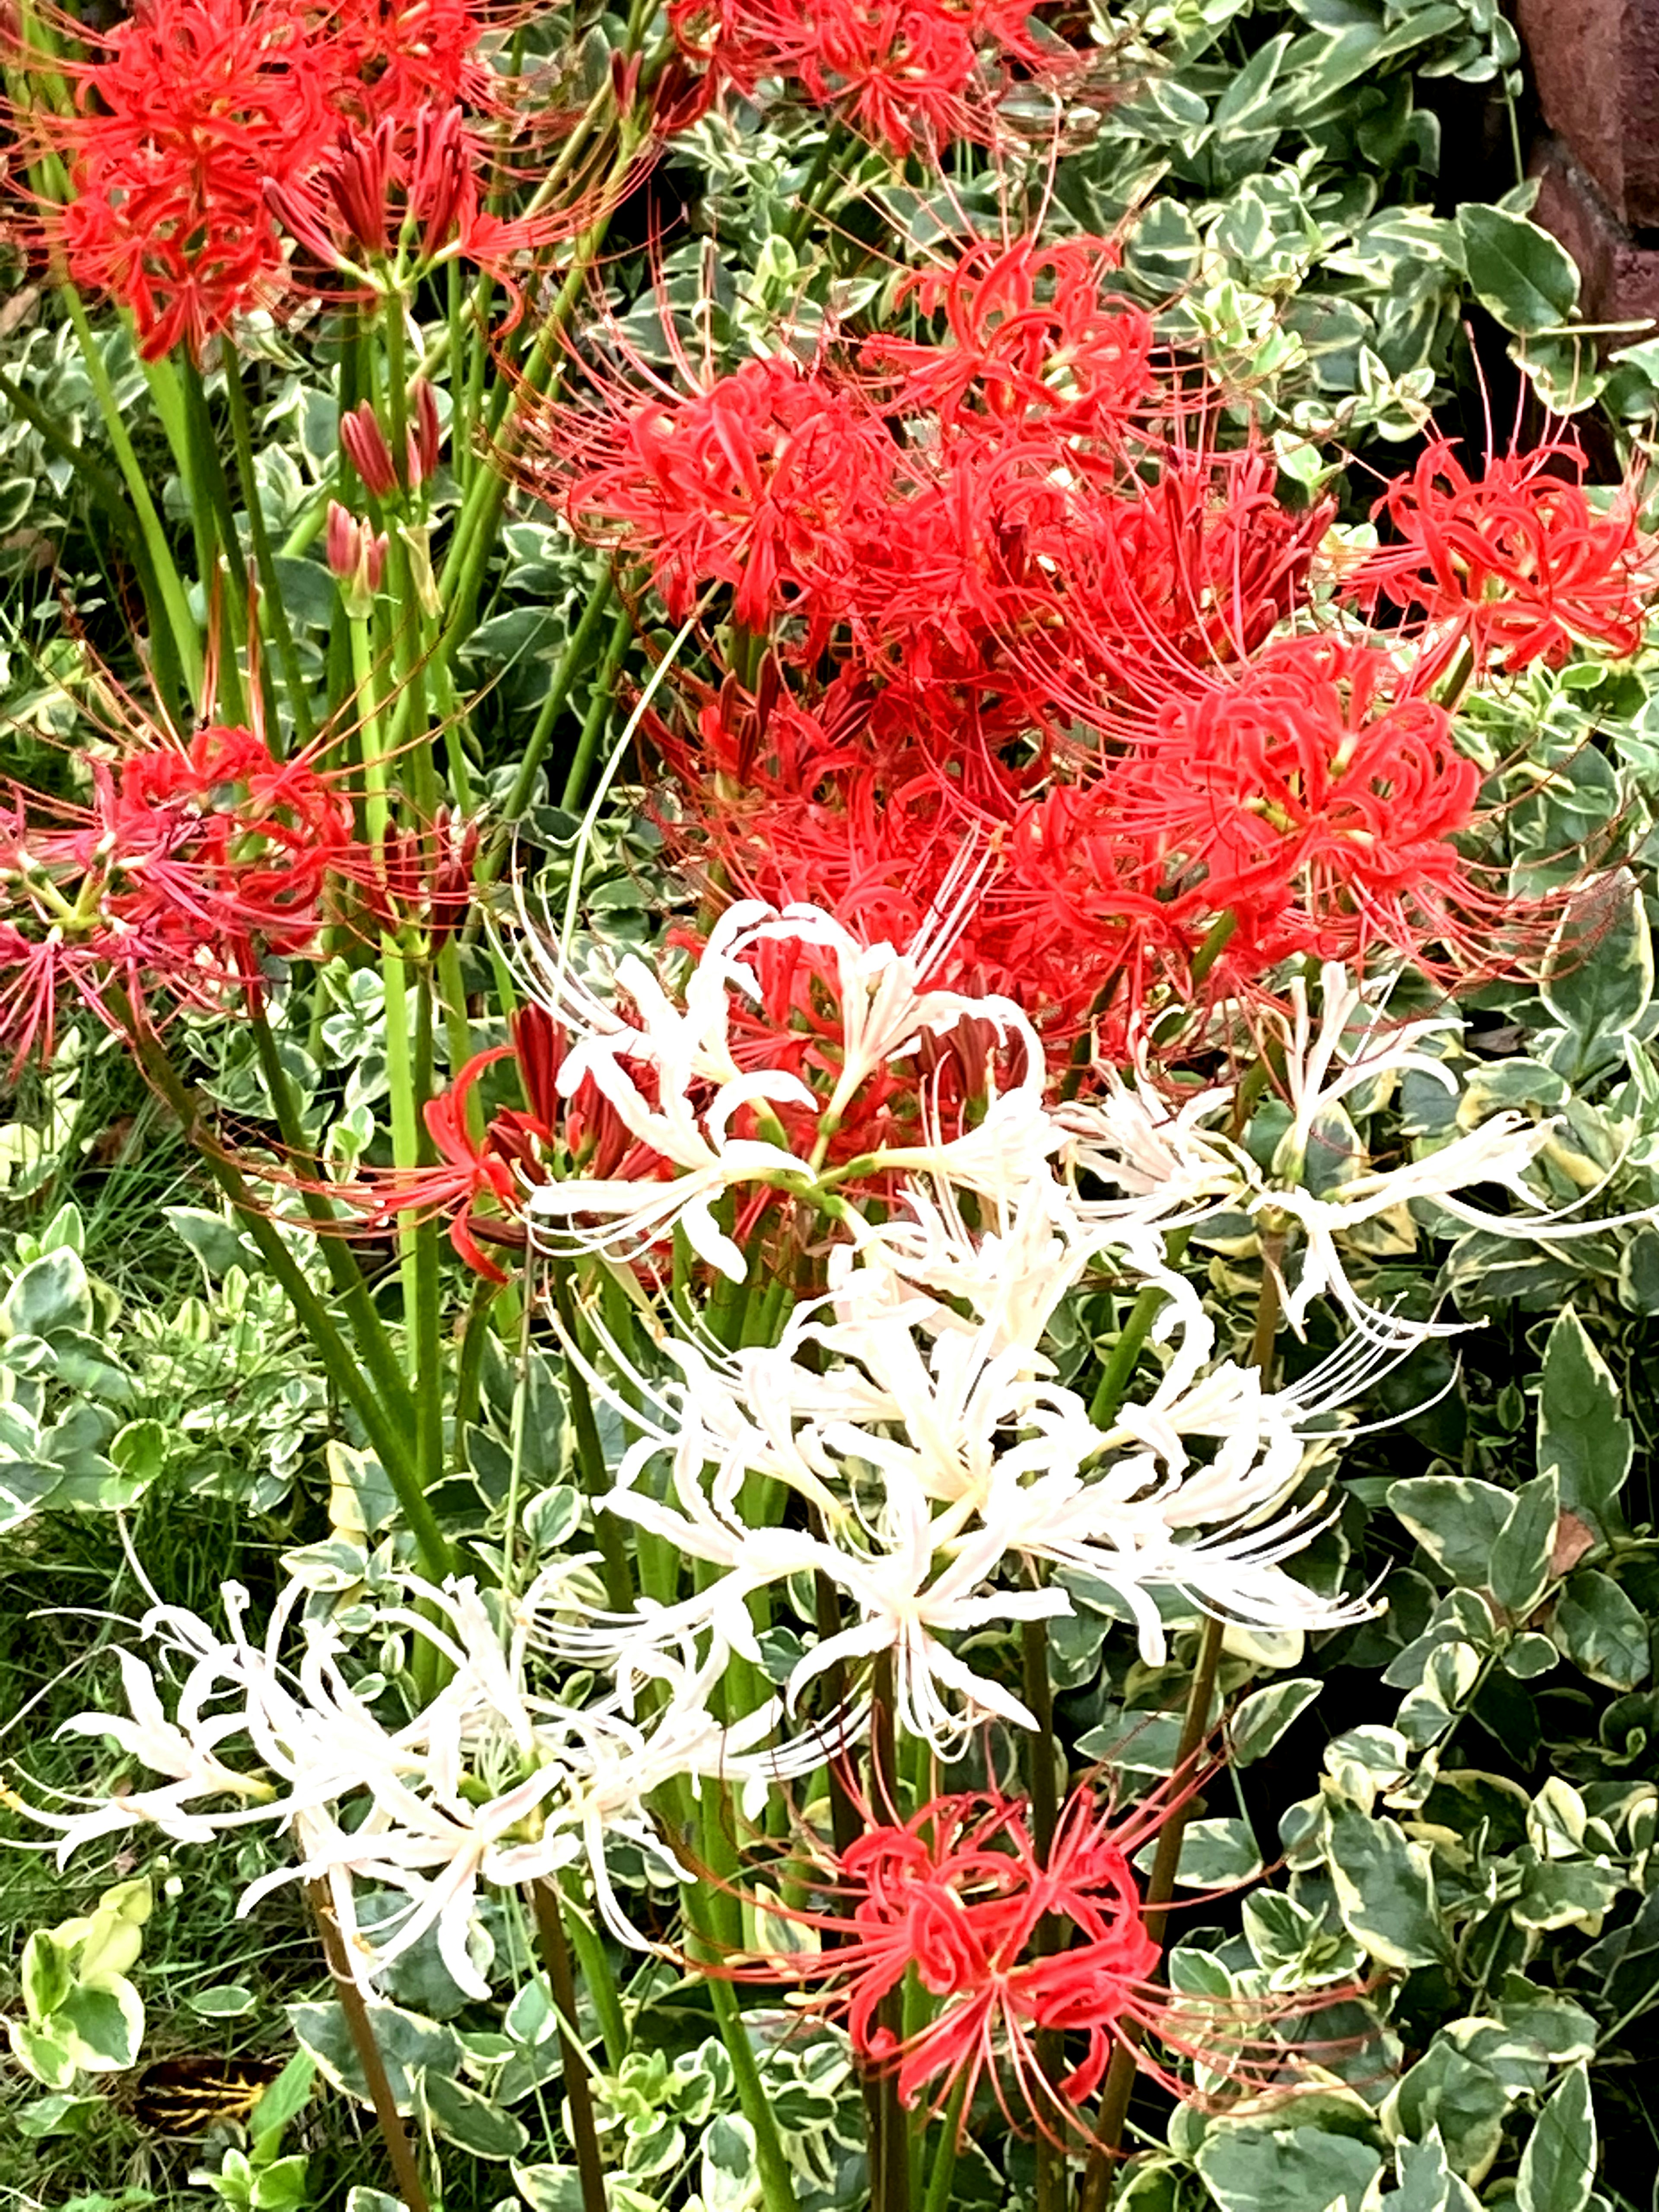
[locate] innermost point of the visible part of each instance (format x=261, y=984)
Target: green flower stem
x=480, y=508
x=814, y=195
x=429, y=1365
x=944, y=2169
x=558, y=691
x=207, y=474
x=890, y=2164
x=1160, y=1883
x=402, y=1104
x=373, y=1345
x=1118, y=1370
x=382, y=1428
x=601, y=702
x=186, y=637
x=276, y=614
x=475, y=1333
x=600, y=1983
x=405, y=2167
x=590, y=1452
x=547, y=1905
x=1045, y=1813
x=106, y=491
x=778, y=2191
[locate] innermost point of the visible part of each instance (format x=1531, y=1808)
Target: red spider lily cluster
x=1015, y=581
x=1517, y=564
x=192, y=867
x=903, y=73
x=212, y=157
x=1009, y=1942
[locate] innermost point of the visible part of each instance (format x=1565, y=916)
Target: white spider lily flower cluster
x=491, y=1783
x=694, y=1056
x=942, y=1460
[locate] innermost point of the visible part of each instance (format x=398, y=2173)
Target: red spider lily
x=958, y=1894
x=903, y=73
x=398, y=56
x=190, y=106
x=192, y=867
x=410, y=189
x=770, y=481
x=1031, y=333
x=1517, y=562
x=1313, y=797
x=479, y=1182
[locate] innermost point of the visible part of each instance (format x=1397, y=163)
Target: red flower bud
x=363, y=442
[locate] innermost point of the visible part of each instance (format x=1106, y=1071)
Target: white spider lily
x=942, y=1458
x=699, y=1084
x=492, y=1783
x=1168, y=1168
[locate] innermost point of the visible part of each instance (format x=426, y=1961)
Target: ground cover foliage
x=830, y=1139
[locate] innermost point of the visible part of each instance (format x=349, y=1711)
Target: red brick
x=1595, y=63
x=1620, y=275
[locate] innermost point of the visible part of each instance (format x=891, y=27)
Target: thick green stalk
x=1118, y=1370
x=601, y=702
x=1045, y=1813
x=241, y=433
x=778, y=2190
x=590, y=1452
x=106, y=491
x=475, y=527
x=600, y=1983
x=185, y=636
x=558, y=690
x=208, y=475
x=889, y=2163
x=938, y=2199
x=366, y=1327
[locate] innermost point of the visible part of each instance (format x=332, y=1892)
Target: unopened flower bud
x=363, y=443
x=426, y=434
x=356, y=556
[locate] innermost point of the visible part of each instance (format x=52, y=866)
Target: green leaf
x=104, y=2027
x=216, y=1242
x=1287, y=2170
x=1384, y=1887
x=1581, y=1433
x=1461, y=2098
x=1559, y=2163
x=1599, y=977
x=1214, y=1855
x=226, y=2001
x=1602, y=1631
x=1520, y=1557
x=559, y=2189
x=1455, y=1519
x=407, y=2044
x=1260, y=1719
x=50, y=2061
x=467, y=2116
x=1519, y=273
x=1427, y=2183
x=48, y=1975
x=51, y=1292
x=285, y=2099
x=1248, y=105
